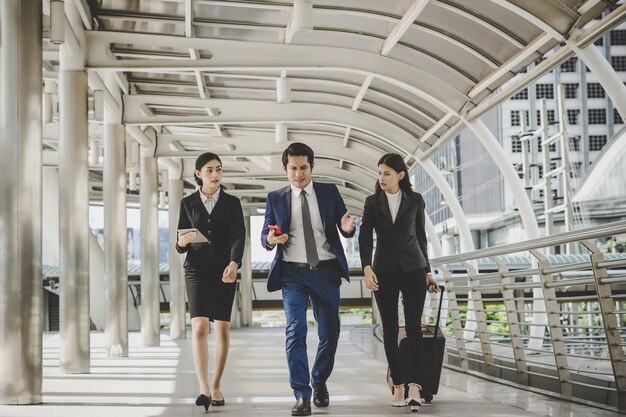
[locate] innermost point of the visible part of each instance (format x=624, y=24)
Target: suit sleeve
x=340, y=210
x=269, y=219
x=183, y=223
x=420, y=229
x=237, y=232
x=366, y=234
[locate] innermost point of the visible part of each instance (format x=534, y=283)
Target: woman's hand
x=371, y=282
x=183, y=240
x=431, y=284
x=230, y=273
x=272, y=239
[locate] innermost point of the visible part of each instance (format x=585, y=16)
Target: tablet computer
x=199, y=237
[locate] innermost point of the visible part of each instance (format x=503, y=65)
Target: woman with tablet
x=211, y=231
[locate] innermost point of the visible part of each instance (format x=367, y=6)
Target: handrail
x=559, y=325
x=557, y=239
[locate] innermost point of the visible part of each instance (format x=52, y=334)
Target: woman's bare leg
x=222, y=344
x=200, y=349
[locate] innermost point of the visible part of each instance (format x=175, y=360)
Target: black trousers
x=412, y=284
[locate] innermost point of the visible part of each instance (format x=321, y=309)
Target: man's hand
x=272, y=239
x=371, y=282
x=230, y=273
x=347, y=223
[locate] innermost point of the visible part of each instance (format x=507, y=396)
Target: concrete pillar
x=50, y=216
x=115, y=236
x=177, y=277
x=246, y=280
x=150, y=308
x=74, y=222
x=21, y=296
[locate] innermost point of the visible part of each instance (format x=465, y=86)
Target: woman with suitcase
x=400, y=264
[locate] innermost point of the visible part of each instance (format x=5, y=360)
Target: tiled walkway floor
x=160, y=381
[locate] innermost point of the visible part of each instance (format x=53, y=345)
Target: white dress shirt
x=295, y=250
x=394, y=203
x=210, y=201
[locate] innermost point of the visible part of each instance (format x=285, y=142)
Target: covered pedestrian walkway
x=109, y=102
x=160, y=381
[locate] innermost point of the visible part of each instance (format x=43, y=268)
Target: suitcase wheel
x=427, y=397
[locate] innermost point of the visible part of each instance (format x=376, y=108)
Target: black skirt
x=208, y=296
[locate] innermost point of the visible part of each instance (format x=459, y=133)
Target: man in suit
x=308, y=264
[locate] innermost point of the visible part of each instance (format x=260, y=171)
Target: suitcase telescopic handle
x=441, y=290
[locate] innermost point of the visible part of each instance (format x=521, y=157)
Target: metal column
x=150, y=309
x=602, y=69
x=115, y=263
x=74, y=220
x=177, y=278
x=246, y=280
x=467, y=243
x=609, y=321
x=21, y=294
x=525, y=208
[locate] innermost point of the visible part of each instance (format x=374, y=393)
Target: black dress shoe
x=302, y=407
x=320, y=395
x=203, y=401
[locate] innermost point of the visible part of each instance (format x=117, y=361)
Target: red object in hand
x=276, y=229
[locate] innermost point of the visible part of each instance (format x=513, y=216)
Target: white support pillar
x=21, y=295
x=515, y=185
x=115, y=236
x=467, y=243
x=150, y=308
x=177, y=278
x=437, y=252
x=245, y=284
x=73, y=204
x=602, y=69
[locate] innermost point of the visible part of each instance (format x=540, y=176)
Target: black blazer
x=401, y=244
x=224, y=228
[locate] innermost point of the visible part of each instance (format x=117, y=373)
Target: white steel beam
x=403, y=25
x=252, y=111
x=256, y=56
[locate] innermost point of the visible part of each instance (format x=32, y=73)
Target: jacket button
x=209, y=242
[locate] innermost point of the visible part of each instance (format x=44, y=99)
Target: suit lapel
x=199, y=208
x=287, y=207
x=321, y=203
x=220, y=201
x=383, y=205
x=404, y=205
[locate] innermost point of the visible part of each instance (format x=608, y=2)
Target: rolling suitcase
x=433, y=349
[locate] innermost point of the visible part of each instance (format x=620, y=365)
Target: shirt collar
x=204, y=198
x=309, y=189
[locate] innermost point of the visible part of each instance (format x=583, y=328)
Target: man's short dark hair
x=298, y=149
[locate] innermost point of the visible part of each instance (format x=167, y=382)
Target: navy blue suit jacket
x=278, y=212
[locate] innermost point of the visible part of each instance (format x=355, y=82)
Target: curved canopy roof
x=242, y=77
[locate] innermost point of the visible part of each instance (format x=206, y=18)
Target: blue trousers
x=322, y=288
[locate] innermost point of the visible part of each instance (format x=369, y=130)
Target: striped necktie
x=312, y=257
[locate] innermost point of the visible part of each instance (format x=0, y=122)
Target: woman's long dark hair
x=395, y=162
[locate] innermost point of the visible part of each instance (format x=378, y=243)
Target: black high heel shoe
x=218, y=403
x=204, y=401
